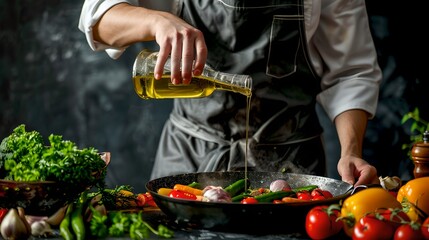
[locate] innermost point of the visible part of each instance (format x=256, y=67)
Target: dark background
x=51, y=81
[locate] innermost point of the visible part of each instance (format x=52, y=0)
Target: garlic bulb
x=215, y=194
x=41, y=229
x=14, y=227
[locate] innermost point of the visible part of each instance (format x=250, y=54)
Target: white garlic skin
x=215, y=194
x=13, y=226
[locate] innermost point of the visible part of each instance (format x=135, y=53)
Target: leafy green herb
x=98, y=224
x=417, y=128
x=120, y=224
x=25, y=157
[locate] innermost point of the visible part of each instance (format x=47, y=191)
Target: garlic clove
x=41, y=229
x=390, y=183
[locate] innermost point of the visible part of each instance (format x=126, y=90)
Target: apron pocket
x=285, y=41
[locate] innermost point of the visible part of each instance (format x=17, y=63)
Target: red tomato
x=321, y=221
x=249, y=200
x=181, y=194
x=394, y=216
x=425, y=228
x=369, y=227
x=145, y=199
x=408, y=232
x=318, y=194
x=303, y=195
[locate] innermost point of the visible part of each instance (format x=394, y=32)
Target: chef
x=298, y=52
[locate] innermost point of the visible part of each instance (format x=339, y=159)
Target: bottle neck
x=231, y=82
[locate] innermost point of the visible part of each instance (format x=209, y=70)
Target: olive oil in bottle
x=147, y=87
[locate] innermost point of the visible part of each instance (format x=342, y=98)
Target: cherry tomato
x=394, y=216
x=321, y=221
x=249, y=200
x=181, y=194
x=303, y=195
x=145, y=199
x=370, y=227
x=408, y=232
x=318, y=194
x=425, y=228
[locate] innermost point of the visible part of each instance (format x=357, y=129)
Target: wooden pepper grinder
x=420, y=156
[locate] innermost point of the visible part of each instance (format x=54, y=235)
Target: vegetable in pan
x=279, y=191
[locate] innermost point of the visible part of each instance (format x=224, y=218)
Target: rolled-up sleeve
x=344, y=55
x=91, y=12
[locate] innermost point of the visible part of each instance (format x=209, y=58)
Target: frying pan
x=237, y=217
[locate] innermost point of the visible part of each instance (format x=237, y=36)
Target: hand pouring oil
x=147, y=87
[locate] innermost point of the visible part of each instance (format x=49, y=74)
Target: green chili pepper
x=235, y=187
x=305, y=188
x=77, y=222
x=271, y=196
x=65, y=224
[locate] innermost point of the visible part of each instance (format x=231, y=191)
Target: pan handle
x=355, y=189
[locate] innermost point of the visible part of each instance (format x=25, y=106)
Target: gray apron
x=264, y=39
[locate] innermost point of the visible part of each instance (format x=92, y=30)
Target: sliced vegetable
x=181, y=194
x=188, y=189
x=164, y=191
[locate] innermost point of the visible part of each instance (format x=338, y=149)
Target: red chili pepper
x=181, y=194
x=3, y=212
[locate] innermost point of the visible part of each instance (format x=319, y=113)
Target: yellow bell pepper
x=414, y=196
x=365, y=201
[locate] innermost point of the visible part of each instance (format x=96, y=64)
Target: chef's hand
x=125, y=24
x=356, y=171
x=184, y=43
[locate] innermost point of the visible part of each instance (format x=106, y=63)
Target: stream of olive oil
x=249, y=97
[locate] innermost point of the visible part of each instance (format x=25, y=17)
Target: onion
x=279, y=185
